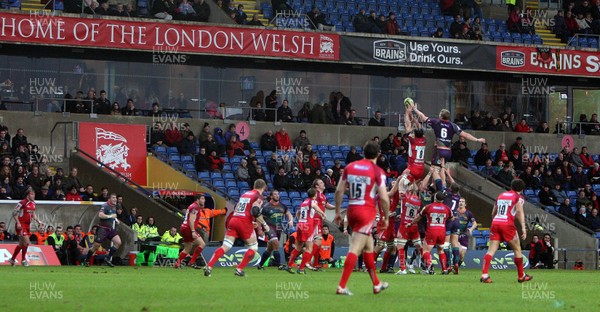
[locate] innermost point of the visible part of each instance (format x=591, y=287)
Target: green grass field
x=167, y=289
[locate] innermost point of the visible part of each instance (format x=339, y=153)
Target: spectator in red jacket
x=235, y=147
x=73, y=195
x=523, y=126
x=173, y=136
x=586, y=158
x=215, y=162
x=313, y=162
x=534, y=247
x=283, y=140
x=571, y=24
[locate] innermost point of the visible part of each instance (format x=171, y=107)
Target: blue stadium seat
x=174, y=158
x=160, y=149
x=233, y=192
x=216, y=175
x=219, y=183
x=230, y=183
x=228, y=175
x=296, y=203
x=283, y=194
x=294, y=194
x=242, y=184
x=334, y=148
x=189, y=167
x=321, y=147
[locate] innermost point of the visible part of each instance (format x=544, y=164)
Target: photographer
x=546, y=254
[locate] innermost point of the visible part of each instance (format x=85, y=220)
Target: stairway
x=541, y=29
x=250, y=8
x=33, y=5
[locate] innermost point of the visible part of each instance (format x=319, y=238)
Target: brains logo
x=389, y=51
x=512, y=59
x=326, y=46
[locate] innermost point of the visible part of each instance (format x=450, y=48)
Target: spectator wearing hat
x=301, y=141
x=330, y=184
x=295, y=181
x=43, y=194
x=242, y=173
x=392, y=27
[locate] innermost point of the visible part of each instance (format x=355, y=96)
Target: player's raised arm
x=394, y=188
x=470, y=137
x=408, y=121
x=339, y=198
x=420, y=115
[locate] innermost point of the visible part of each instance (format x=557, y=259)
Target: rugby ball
x=408, y=102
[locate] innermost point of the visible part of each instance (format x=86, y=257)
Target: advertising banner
x=164, y=38
x=119, y=146
x=417, y=53
x=548, y=60
x=503, y=259
x=37, y=255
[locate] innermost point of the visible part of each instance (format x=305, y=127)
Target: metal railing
x=580, y=128
x=73, y=135
x=577, y=42
x=138, y=187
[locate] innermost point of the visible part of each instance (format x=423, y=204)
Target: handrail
x=498, y=183
x=576, y=38
x=568, y=126
x=52, y=135
x=201, y=181
x=139, y=187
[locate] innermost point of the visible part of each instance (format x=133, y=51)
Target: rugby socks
x=182, y=256
x=402, y=258
x=197, y=253
x=455, y=255
x=24, y=253
x=293, y=257
x=218, y=254
x=386, y=258
x=370, y=264
x=360, y=262
x=519, y=264
x=306, y=256
x=247, y=257
x=447, y=262
x=263, y=258
x=486, y=263
x=111, y=252
x=316, y=254
x=16, y=253
x=427, y=258
x=443, y=260
x=89, y=255
x=392, y=260
x=349, y=264
x=276, y=258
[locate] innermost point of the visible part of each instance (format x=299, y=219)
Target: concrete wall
x=481, y=195
x=70, y=214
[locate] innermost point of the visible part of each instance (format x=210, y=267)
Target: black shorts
x=103, y=234
x=273, y=233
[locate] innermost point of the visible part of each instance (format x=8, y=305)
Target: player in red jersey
x=387, y=235
x=319, y=186
x=309, y=209
x=416, y=152
x=241, y=225
x=436, y=213
x=364, y=180
x=411, y=204
x=190, y=236
x=23, y=214
x=508, y=206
